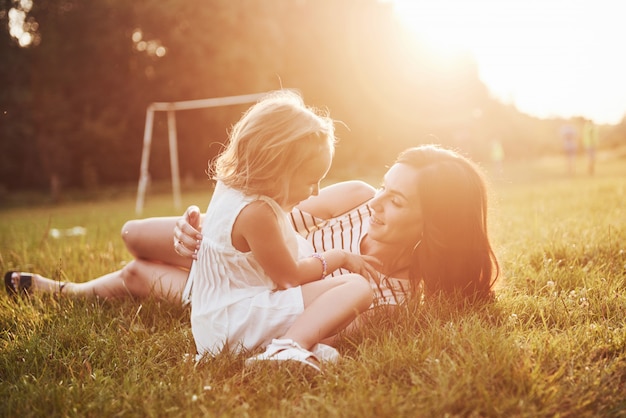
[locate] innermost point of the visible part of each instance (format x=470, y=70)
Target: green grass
x=553, y=344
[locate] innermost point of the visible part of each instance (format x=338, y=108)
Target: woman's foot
x=26, y=283
x=17, y=283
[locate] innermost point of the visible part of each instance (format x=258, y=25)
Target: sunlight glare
x=441, y=24
x=547, y=57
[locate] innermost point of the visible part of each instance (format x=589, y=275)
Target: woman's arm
x=337, y=199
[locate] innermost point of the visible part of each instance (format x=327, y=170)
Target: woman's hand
x=187, y=234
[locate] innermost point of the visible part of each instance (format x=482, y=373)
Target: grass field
x=553, y=344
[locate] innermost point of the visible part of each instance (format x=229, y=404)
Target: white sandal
x=283, y=350
x=325, y=353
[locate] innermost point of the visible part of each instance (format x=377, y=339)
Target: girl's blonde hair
x=271, y=140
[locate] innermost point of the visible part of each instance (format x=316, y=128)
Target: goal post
x=171, y=108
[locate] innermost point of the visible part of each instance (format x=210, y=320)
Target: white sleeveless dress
x=234, y=304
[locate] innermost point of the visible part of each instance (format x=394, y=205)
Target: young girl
x=249, y=282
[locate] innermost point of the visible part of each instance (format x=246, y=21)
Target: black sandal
x=17, y=286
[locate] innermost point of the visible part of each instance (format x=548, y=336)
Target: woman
x=427, y=225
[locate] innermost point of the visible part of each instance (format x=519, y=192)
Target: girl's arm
x=257, y=230
x=337, y=199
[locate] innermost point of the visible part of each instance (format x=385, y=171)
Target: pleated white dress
x=234, y=304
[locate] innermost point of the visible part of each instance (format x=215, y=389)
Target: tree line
x=73, y=103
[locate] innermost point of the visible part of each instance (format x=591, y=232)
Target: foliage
x=552, y=344
x=73, y=105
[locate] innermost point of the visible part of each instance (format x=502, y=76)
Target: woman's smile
x=376, y=221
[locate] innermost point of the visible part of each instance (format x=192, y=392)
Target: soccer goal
x=171, y=108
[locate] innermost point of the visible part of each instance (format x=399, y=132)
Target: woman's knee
x=130, y=235
x=132, y=277
x=128, y=227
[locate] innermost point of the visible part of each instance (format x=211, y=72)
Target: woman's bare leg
x=158, y=270
x=152, y=239
x=139, y=278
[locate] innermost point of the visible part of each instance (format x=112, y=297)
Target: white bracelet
x=324, y=264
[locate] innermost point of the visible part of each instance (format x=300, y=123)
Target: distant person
x=569, y=137
x=590, y=142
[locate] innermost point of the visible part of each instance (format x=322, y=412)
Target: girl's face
x=397, y=217
x=305, y=182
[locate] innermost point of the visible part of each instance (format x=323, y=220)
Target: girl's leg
x=153, y=239
x=329, y=306
x=138, y=278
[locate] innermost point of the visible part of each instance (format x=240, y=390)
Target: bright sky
x=550, y=58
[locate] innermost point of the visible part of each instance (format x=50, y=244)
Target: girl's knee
x=360, y=286
x=357, y=278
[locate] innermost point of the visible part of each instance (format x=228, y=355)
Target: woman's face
x=397, y=217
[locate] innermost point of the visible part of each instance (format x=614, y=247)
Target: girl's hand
x=187, y=234
x=364, y=265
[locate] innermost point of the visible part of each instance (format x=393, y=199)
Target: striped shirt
x=346, y=232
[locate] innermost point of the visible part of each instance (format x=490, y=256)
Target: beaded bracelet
x=324, y=264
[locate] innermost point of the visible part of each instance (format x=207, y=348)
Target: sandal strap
x=22, y=284
x=282, y=344
x=325, y=353
x=300, y=355
x=286, y=349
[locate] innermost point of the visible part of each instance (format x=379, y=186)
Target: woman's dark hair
x=454, y=255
